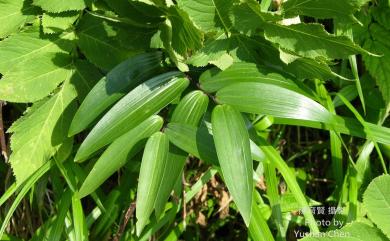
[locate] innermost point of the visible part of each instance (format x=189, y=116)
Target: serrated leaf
x=378, y=67
x=13, y=15
x=212, y=81
x=58, y=22
x=311, y=41
x=208, y=15
x=233, y=149
x=56, y=6
x=121, y=79
x=38, y=134
x=143, y=101
x=32, y=67
x=116, y=155
x=376, y=200
x=107, y=44
x=185, y=36
x=272, y=100
x=353, y=232
x=155, y=164
x=322, y=9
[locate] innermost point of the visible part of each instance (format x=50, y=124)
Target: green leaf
x=155, y=164
x=40, y=132
x=208, y=15
x=212, y=81
x=58, y=22
x=79, y=224
x=199, y=142
x=214, y=52
x=143, y=101
x=378, y=67
x=233, y=149
x=85, y=76
x=272, y=100
x=118, y=153
x=189, y=111
x=106, y=43
x=13, y=15
x=322, y=9
x=185, y=36
x=353, y=232
x=121, y=79
x=311, y=41
x=56, y=6
x=191, y=108
x=196, y=141
x=376, y=200
x=32, y=67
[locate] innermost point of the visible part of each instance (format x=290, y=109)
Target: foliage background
x=289, y=66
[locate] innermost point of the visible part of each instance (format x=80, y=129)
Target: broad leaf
x=322, y=9
x=209, y=15
x=114, y=41
x=85, y=76
x=121, y=79
x=376, y=200
x=311, y=41
x=13, y=15
x=22, y=57
x=58, y=22
x=116, y=155
x=272, y=100
x=378, y=67
x=56, y=6
x=155, y=164
x=143, y=101
x=38, y=135
x=233, y=149
x=352, y=232
x=185, y=36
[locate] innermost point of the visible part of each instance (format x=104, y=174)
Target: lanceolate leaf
x=37, y=136
x=143, y=101
x=376, y=200
x=116, y=155
x=273, y=100
x=85, y=76
x=191, y=108
x=311, y=41
x=233, y=149
x=155, y=164
x=208, y=14
x=188, y=138
x=243, y=72
x=189, y=111
x=115, y=85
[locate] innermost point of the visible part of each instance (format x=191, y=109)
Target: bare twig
x=129, y=214
x=3, y=143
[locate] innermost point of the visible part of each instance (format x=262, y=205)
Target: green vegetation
x=195, y=120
